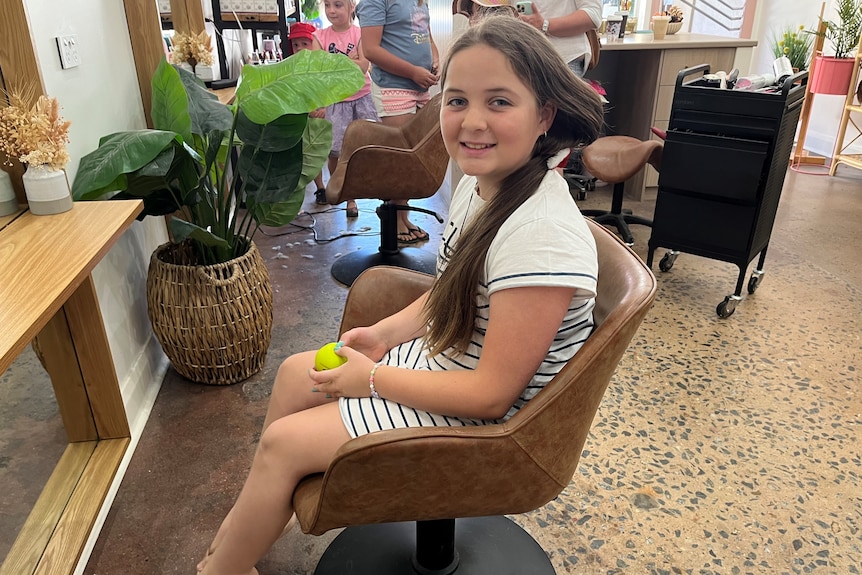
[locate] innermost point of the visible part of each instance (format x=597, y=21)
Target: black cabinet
x=722, y=171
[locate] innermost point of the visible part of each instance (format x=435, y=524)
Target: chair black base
x=348, y=267
x=617, y=216
x=482, y=546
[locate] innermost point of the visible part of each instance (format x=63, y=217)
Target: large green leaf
x=117, y=154
x=170, y=106
x=280, y=213
x=316, y=145
x=182, y=230
x=300, y=84
x=269, y=177
x=279, y=135
x=207, y=113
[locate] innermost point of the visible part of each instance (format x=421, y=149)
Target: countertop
x=678, y=41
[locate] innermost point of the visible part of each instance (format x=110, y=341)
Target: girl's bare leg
x=290, y=448
x=291, y=394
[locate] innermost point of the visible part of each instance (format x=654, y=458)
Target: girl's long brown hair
x=451, y=306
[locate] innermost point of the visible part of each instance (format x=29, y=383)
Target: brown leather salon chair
x=615, y=159
x=382, y=484
x=389, y=163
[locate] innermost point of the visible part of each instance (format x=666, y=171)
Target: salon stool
x=615, y=159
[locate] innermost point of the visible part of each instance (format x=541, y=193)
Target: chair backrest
x=446, y=472
x=390, y=163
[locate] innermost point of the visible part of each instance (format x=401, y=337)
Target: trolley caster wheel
x=726, y=308
x=666, y=262
x=754, y=281
x=591, y=185
x=582, y=195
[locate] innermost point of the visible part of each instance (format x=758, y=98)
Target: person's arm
x=588, y=16
x=379, y=56
x=435, y=56
x=359, y=58
x=522, y=325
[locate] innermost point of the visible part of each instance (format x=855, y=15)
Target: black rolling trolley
x=722, y=171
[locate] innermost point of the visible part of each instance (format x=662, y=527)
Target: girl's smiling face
x=489, y=119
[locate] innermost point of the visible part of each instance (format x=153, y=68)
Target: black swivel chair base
x=348, y=267
x=617, y=216
x=473, y=546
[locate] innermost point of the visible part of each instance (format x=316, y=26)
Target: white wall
x=99, y=97
x=772, y=16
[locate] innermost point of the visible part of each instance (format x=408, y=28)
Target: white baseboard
x=139, y=391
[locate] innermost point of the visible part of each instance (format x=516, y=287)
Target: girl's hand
x=318, y=113
x=425, y=78
x=367, y=341
x=348, y=380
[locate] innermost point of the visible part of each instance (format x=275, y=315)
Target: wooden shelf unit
x=838, y=154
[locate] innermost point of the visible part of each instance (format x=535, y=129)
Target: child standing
x=302, y=38
x=396, y=39
x=343, y=37
x=511, y=304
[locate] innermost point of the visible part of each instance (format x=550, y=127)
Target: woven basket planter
x=213, y=322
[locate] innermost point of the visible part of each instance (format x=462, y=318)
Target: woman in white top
x=566, y=22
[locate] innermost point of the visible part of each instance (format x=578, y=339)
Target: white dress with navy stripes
x=545, y=242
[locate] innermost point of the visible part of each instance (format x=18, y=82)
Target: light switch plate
x=68, y=48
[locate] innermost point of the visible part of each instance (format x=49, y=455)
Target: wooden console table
x=47, y=292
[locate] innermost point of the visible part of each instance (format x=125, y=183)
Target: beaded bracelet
x=374, y=393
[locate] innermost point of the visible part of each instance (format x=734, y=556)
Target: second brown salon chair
x=615, y=159
x=398, y=492
x=389, y=163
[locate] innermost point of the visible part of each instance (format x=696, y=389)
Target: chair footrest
x=348, y=267
x=485, y=546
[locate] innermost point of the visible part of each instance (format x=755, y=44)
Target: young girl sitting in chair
x=511, y=304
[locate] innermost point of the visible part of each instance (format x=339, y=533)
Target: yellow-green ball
x=326, y=358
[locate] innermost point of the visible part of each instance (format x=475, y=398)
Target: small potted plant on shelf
x=222, y=172
x=831, y=74
x=795, y=44
x=676, y=17
x=36, y=135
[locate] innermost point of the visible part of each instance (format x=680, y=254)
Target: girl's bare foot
x=203, y=563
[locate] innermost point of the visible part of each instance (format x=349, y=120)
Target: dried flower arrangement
x=192, y=48
x=675, y=13
x=35, y=135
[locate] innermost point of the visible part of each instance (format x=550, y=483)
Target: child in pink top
x=342, y=37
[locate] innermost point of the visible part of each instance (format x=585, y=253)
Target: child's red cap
x=301, y=30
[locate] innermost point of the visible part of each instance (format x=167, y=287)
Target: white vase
x=47, y=190
x=8, y=201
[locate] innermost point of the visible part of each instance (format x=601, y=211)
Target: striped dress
x=546, y=242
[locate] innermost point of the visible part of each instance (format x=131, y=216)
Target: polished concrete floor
x=721, y=446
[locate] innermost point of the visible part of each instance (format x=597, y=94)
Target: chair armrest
x=381, y=291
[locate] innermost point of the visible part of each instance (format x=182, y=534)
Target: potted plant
x=676, y=17
x=208, y=291
x=36, y=135
x=795, y=44
x=831, y=74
